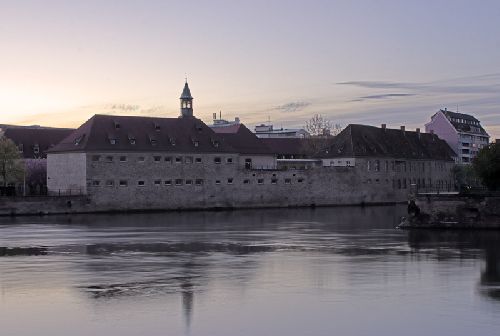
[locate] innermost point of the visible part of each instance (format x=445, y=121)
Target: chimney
x=383, y=126
x=418, y=132
x=432, y=131
x=402, y=129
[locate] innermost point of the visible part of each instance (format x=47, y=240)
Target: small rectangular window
x=274, y=181
x=288, y=181
x=199, y=182
x=178, y=159
x=229, y=181
x=109, y=159
x=157, y=182
x=300, y=180
x=123, y=183
x=229, y=160
x=217, y=160
x=110, y=183
x=198, y=160
x=157, y=158
x=260, y=181
x=217, y=181
x=178, y=182
x=168, y=182
x=246, y=181
x=123, y=159
x=141, y=159
x=96, y=158
x=141, y=183
x=96, y=183
x=189, y=182
x=168, y=159
x=188, y=159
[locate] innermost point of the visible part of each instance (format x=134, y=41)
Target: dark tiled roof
x=370, y=141
x=464, y=127
x=143, y=134
x=242, y=139
x=31, y=137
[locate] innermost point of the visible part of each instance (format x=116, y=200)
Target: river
x=324, y=271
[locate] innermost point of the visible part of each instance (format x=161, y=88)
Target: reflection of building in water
x=466, y=243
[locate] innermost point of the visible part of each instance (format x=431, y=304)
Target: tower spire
x=186, y=101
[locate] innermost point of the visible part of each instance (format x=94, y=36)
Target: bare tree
x=11, y=166
x=319, y=126
x=322, y=131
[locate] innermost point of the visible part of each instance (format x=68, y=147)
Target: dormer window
x=117, y=125
x=79, y=139
x=199, y=128
x=131, y=139
x=20, y=147
x=153, y=140
x=36, y=149
x=172, y=141
x=157, y=127
x=196, y=143
x=215, y=143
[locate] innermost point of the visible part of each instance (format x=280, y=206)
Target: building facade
x=462, y=132
x=141, y=163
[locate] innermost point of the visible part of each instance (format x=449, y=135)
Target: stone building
x=462, y=132
x=143, y=163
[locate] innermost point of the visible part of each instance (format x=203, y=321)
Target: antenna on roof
x=269, y=119
x=186, y=77
x=457, y=108
x=220, y=114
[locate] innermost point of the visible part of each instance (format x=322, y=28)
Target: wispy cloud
x=385, y=96
x=293, y=106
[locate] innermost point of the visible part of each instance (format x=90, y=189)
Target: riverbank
x=445, y=211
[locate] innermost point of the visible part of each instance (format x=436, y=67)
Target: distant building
x=462, y=132
x=268, y=131
x=34, y=142
x=217, y=123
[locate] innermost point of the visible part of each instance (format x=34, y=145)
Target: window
x=217, y=160
x=198, y=182
x=123, y=183
x=217, y=181
x=274, y=180
x=109, y=158
x=132, y=140
x=157, y=127
x=141, y=183
x=113, y=141
x=157, y=158
x=198, y=160
x=141, y=159
x=178, y=159
x=20, y=147
x=288, y=181
x=96, y=183
x=229, y=160
x=189, y=182
x=168, y=159
x=110, y=183
x=157, y=182
x=246, y=181
x=123, y=159
x=196, y=143
x=188, y=159
x=260, y=181
x=36, y=149
x=377, y=165
x=230, y=181
x=368, y=165
x=248, y=163
x=117, y=125
x=95, y=158
x=178, y=182
x=300, y=180
x=168, y=182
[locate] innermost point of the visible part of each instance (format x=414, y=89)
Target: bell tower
x=186, y=102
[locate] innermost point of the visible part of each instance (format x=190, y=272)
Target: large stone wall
x=153, y=183
x=67, y=173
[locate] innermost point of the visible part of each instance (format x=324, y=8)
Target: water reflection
x=314, y=263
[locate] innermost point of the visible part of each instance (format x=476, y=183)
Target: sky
x=368, y=62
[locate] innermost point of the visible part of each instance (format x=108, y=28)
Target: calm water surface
x=327, y=271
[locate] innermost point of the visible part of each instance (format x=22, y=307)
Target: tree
x=322, y=132
x=11, y=167
x=487, y=166
x=318, y=126
x=36, y=175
